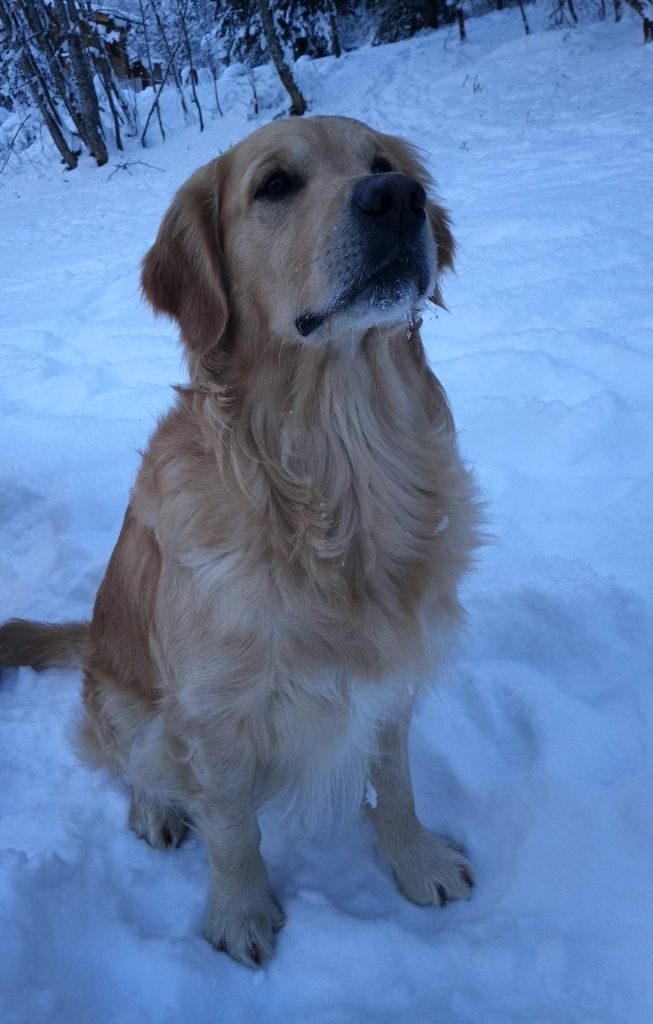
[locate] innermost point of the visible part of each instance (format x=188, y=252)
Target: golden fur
x=287, y=570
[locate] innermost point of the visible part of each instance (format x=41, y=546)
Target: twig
x=132, y=163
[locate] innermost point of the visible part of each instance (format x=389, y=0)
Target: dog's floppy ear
x=182, y=273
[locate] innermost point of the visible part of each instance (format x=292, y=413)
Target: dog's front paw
x=246, y=933
x=430, y=869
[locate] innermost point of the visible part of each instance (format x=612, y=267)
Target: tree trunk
x=335, y=36
x=527, y=28
x=184, y=28
x=431, y=14
x=46, y=32
x=108, y=88
x=70, y=156
x=119, y=109
x=83, y=95
x=150, y=67
x=297, y=101
x=104, y=69
x=645, y=10
x=214, y=73
x=460, y=18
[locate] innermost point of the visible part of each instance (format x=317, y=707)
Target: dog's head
x=308, y=229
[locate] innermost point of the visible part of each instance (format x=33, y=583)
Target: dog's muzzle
x=389, y=259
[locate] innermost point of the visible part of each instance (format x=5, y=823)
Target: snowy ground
x=536, y=750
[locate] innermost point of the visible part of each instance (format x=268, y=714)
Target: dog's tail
x=41, y=645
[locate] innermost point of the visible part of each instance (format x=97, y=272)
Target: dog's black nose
x=393, y=200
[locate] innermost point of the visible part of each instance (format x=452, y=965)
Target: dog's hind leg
x=161, y=826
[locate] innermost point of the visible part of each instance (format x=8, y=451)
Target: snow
x=535, y=752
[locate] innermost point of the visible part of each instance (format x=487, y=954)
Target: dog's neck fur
x=344, y=452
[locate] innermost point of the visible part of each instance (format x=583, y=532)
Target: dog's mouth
x=396, y=285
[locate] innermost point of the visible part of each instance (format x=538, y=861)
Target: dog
x=286, y=574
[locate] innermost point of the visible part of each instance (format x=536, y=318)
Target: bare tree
x=527, y=28
x=171, y=53
x=564, y=11
x=150, y=66
x=117, y=105
x=37, y=77
x=63, y=61
x=67, y=63
x=183, y=12
x=81, y=94
x=335, y=34
x=460, y=19
x=157, y=96
x=298, y=103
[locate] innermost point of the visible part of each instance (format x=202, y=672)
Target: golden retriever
x=286, y=574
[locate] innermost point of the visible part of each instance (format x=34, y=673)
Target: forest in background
x=91, y=76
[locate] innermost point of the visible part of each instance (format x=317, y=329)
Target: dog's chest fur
x=306, y=548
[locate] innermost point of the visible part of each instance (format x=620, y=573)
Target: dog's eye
x=381, y=166
x=277, y=185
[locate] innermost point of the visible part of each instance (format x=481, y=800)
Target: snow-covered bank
x=536, y=751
